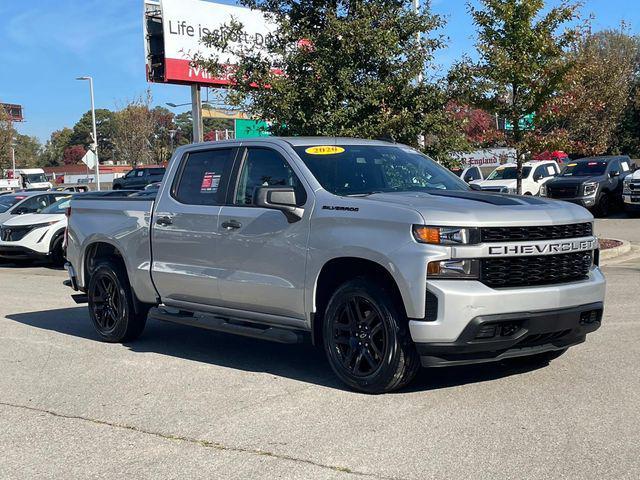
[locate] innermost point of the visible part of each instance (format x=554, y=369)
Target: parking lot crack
x=202, y=443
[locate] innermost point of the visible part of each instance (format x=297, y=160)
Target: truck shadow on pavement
x=298, y=362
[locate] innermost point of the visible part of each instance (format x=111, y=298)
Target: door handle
x=231, y=225
x=164, y=221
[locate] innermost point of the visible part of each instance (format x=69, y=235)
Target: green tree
x=521, y=60
x=342, y=68
x=28, y=151
x=589, y=110
x=82, y=132
x=53, y=152
x=7, y=135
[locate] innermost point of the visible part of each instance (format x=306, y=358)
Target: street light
x=95, y=133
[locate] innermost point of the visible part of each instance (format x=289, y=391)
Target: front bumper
x=631, y=201
x=20, y=253
x=459, y=302
x=489, y=338
x=586, y=202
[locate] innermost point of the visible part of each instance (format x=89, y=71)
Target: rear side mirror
x=279, y=198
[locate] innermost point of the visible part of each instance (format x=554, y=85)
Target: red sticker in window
x=210, y=182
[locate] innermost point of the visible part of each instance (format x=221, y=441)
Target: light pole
x=95, y=133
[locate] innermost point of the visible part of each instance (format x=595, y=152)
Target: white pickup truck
x=374, y=251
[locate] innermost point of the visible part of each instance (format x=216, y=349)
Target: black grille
x=546, y=232
x=13, y=234
x=432, y=307
x=563, y=191
x=536, y=270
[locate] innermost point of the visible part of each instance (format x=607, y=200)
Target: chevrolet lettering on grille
x=543, y=248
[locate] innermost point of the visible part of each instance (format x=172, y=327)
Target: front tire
x=603, y=208
x=57, y=251
x=367, y=340
x=115, y=313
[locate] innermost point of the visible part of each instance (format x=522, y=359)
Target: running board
x=218, y=324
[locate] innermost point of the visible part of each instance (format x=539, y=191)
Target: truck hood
x=476, y=209
x=572, y=181
x=33, y=219
x=497, y=183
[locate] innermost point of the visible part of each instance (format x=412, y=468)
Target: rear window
x=203, y=176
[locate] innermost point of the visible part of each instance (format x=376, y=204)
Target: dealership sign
x=175, y=30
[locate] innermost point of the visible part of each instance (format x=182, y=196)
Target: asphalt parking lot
x=186, y=403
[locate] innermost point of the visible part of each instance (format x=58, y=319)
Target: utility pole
x=95, y=134
x=196, y=114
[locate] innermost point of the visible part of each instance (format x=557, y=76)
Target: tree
x=53, y=152
x=627, y=135
x=134, y=128
x=522, y=61
x=82, y=132
x=341, y=68
x=28, y=151
x=7, y=135
x=589, y=110
x=73, y=155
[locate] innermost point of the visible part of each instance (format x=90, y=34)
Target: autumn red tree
x=73, y=155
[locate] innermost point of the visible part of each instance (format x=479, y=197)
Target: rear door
x=261, y=255
x=185, y=234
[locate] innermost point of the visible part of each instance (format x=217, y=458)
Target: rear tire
x=366, y=338
x=115, y=313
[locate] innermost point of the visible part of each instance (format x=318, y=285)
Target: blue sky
x=45, y=44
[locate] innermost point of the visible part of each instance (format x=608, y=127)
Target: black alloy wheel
x=115, y=312
x=366, y=337
x=359, y=337
x=107, y=304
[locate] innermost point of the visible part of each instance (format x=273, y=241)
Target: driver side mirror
x=537, y=177
x=475, y=186
x=279, y=198
x=614, y=174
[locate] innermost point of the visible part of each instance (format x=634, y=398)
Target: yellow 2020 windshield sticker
x=324, y=150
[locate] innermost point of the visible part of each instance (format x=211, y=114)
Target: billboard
x=13, y=111
x=487, y=157
x=174, y=30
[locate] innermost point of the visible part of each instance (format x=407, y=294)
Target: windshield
x=365, y=169
x=36, y=178
x=508, y=173
x=59, y=207
x=8, y=201
x=584, y=169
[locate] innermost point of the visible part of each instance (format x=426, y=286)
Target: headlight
x=454, y=269
x=543, y=190
x=590, y=188
x=446, y=235
x=626, y=183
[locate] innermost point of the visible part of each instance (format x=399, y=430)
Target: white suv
x=534, y=175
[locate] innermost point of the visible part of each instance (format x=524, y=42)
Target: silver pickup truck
x=370, y=249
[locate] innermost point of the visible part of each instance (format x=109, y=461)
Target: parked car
x=631, y=192
x=595, y=183
x=40, y=235
x=26, y=202
x=469, y=174
x=534, y=174
x=71, y=188
x=372, y=249
x=139, y=178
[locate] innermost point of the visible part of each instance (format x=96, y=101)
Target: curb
x=611, y=253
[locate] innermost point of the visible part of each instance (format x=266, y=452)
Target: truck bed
x=124, y=223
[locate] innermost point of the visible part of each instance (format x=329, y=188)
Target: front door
x=261, y=255
x=185, y=232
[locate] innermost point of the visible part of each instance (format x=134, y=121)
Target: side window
x=139, y=173
x=202, y=176
x=474, y=174
x=540, y=172
x=615, y=166
x=625, y=166
x=264, y=167
x=130, y=174
x=35, y=204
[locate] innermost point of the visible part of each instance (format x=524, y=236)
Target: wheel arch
x=337, y=271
